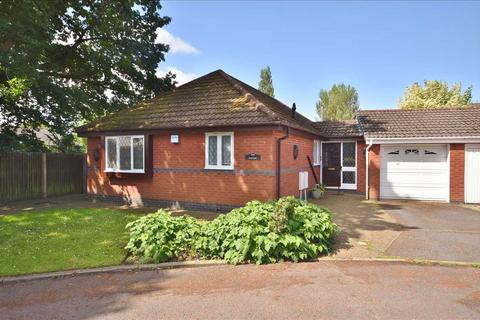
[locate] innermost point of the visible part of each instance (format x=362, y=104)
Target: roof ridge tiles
x=469, y=106
x=249, y=96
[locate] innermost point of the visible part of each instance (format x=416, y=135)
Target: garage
x=419, y=172
x=472, y=173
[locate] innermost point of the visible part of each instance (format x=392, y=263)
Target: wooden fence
x=25, y=176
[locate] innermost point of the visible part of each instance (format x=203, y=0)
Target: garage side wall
x=457, y=172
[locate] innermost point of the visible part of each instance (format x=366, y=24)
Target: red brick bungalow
x=217, y=143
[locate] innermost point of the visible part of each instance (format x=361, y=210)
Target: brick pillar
x=374, y=172
x=457, y=172
x=361, y=166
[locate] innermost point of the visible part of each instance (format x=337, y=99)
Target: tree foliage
x=435, y=94
x=64, y=62
x=266, y=83
x=338, y=103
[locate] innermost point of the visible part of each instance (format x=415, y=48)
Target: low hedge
x=261, y=232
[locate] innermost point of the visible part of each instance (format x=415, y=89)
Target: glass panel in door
x=349, y=165
x=348, y=154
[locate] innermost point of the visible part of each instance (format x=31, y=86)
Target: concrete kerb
x=209, y=263
x=448, y=263
x=111, y=269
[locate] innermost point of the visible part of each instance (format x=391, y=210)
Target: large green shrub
x=260, y=232
x=160, y=237
x=266, y=232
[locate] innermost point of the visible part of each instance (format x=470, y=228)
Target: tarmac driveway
x=437, y=231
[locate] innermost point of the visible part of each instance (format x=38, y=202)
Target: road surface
x=320, y=290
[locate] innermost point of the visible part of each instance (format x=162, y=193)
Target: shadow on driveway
x=365, y=229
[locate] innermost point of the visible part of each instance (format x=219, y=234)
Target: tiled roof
x=219, y=100
x=338, y=129
x=421, y=123
x=213, y=100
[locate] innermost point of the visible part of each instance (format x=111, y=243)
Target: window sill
x=219, y=169
x=124, y=171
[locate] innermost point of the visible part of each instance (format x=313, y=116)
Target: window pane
x=349, y=154
x=138, y=153
x=112, y=154
x=125, y=155
x=226, y=150
x=212, y=150
x=316, y=154
x=348, y=177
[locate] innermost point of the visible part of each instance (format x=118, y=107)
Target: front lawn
x=62, y=239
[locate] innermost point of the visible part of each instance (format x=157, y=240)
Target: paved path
x=439, y=231
x=329, y=290
x=365, y=229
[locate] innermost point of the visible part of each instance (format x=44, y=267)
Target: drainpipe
x=279, y=154
x=367, y=187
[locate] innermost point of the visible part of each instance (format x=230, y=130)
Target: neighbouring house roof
x=42, y=134
x=213, y=100
x=338, y=129
x=420, y=123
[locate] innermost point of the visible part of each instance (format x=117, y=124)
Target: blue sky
x=378, y=47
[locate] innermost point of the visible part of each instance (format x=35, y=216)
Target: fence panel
x=22, y=175
x=64, y=174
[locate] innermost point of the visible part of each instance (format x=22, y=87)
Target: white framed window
x=316, y=152
x=125, y=154
x=219, y=150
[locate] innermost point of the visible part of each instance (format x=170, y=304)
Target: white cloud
x=182, y=77
x=176, y=44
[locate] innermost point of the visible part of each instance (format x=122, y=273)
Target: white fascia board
x=424, y=140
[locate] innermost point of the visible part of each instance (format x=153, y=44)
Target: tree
x=71, y=61
x=338, y=103
x=435, y=94
x=266, y=84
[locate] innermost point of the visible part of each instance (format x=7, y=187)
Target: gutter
x=367, y=186
x=278, y=164
x=471, y=139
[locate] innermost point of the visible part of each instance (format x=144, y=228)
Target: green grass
x=62, y=239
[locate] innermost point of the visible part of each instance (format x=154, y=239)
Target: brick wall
x=290, y=167
x=361, y=166
x=374, y=171
x=457, y=172
x=179, y=171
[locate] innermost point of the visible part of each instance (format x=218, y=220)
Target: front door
x=339, y=164
x=331, y=164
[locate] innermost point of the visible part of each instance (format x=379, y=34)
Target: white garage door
x=472, y=173
x=414, y=172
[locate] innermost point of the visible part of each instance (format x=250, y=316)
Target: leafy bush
x=261, y=232
x=267, y=232
x=160, y=237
